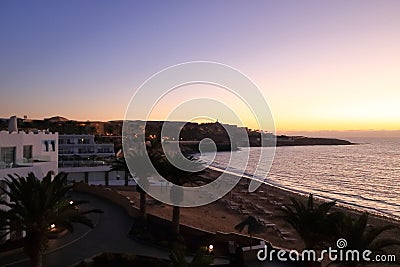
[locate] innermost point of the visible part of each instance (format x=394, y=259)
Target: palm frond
x=35, y=204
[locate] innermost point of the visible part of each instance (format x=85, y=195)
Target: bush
x=113, y=259
x=123, y=260
x=84, y=264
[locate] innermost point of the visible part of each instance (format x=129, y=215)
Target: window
x=27, y=154
x=48, y=145
x=7, y=154
x=104, y=150
x=83, y=141
x=64, y=151
x=45, y=146
x=82, y=151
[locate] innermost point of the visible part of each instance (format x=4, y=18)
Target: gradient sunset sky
x=322, y=65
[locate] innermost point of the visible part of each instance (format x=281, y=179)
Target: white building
x=22, y=153
x=84, y=159
x=83, y=145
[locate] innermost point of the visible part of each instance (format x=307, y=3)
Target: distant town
x=190, y=134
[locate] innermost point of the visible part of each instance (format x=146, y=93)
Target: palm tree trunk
x=175, y=219
x=36, y=260
x=126, y=178
x=33, y=248
x=142, y=205
x=106, y=178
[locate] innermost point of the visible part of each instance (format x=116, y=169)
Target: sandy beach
x=264, y=204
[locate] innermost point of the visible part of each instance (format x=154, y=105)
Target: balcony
x=4, y=165
x=24, y=162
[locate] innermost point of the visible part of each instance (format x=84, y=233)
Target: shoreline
x=346, y=207
x=303, y=194
x=264, y=204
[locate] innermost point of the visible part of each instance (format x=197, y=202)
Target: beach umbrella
x=253, y=227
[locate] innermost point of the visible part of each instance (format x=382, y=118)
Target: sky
x=321, y=65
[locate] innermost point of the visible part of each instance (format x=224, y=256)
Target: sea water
x=365, y=176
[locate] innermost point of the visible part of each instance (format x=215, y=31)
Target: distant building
x=83, y=145
x=80, y=149
x=85, y=160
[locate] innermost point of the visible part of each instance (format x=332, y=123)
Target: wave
x=350, y=176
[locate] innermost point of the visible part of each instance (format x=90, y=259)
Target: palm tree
x=253, y=227
x=34, y=205
x=179, y=177
x=138, y=159
x=361, y=237
x=119, y=164
x=314, y=224
x=178, y=258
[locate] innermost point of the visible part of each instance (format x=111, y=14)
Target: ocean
x=365, y=176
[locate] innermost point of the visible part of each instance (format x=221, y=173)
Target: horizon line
x=326, y=131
